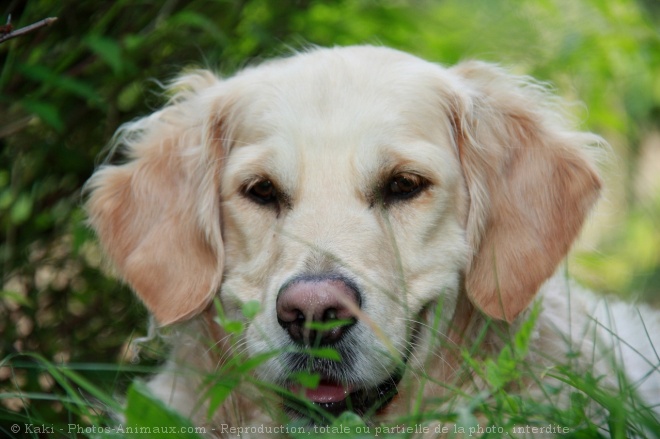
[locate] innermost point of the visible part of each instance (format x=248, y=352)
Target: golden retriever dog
x=377, y=207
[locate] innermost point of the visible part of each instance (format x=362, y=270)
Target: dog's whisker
x=217, y=343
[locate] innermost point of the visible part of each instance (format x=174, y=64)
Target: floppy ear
x=157, y=216
x=530, y=181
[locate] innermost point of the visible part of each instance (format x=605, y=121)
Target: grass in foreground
x=81, y=408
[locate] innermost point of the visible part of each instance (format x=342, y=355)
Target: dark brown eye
x=263, y=192
x=403, y=186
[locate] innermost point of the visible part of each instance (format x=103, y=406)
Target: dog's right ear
x=157, y=216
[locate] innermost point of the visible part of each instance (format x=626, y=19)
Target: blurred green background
x=65, y=89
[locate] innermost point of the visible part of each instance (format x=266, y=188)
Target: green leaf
x=524, y=335
x=147, y=414
x=109, y=51
x=307, y=379
x=351, y=420
x=254, y=362
x=6, y=198
x=250, y=309
x=60, y=81
x=48, y=113
x=494, y=374
x=218, y=393
x=193, y=19
x=15, y=297
x=130, y=96
x=233, y=326
x=81, y=234
x=22, y=209
x=219, y=310
x=326, y=353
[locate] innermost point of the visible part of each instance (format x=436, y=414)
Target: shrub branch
x=7, y=32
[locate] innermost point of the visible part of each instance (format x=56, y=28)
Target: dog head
x=349, y=191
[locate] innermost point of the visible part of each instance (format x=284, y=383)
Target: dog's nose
x=317, y=311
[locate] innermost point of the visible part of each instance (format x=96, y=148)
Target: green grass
x=501, y=407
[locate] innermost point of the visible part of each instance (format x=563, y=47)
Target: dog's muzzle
x=319, y=311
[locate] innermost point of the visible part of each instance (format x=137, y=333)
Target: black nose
x=317, y=300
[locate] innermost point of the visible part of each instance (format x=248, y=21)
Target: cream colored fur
x=508, y=184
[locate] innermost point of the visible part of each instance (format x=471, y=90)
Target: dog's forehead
x=331, y=105
x=341, y=92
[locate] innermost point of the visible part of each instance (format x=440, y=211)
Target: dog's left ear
x=530, y=182
x=157, y=216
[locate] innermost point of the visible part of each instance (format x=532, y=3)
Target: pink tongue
x=327, y=391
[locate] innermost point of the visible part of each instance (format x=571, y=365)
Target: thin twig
x=26, y=29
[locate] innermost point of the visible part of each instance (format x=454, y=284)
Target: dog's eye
x=263, y=192
x=403, y=186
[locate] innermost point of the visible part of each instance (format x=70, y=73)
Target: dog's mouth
x=333, y=398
